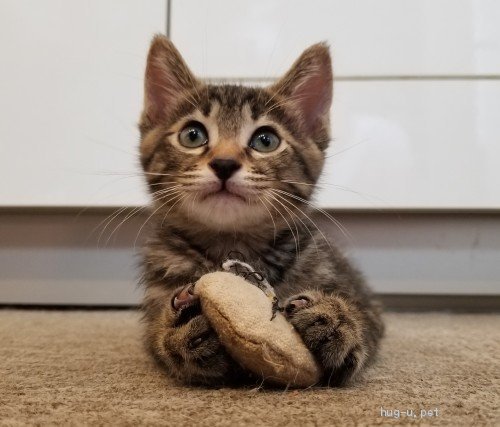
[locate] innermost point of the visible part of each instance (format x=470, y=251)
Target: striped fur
x=267, y=219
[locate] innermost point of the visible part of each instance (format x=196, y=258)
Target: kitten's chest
x=194, y=255
x=271, y=262
x=220, y=252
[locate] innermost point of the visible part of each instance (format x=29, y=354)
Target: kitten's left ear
x=308, y=86
x=167, y=79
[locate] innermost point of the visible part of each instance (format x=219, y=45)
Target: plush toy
x=245, y=315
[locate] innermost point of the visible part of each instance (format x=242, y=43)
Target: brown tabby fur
x=269, y=224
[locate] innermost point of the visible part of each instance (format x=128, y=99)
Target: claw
x=295, y=304
x=185, y=298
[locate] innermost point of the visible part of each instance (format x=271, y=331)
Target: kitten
x=230, y=168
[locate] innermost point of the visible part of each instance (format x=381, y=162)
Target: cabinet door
x=259, y=38
x=413, y=145
x=416, y=105
x=71, y=94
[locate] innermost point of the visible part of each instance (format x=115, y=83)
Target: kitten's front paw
x=188, y=346
x=331, y=328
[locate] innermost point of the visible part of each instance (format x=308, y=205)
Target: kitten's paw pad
x=197, y=341
x=193, y=341
x=292, y=306
x=185, y=298
x=298, y=303
x=193, y=353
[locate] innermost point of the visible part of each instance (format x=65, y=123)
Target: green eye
x=264, y=140
x=193, y=135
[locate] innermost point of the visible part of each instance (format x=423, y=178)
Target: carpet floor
x=89, y=368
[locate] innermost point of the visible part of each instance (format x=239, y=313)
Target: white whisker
x=294, y=223
x=272, y=218
x=309, y=219
x=152, y=214
x=287, y=223
x=110, y=218
x=322, y=211
x=127, y=217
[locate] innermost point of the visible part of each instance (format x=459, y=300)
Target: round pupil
x=193, y=134
x=265, y=139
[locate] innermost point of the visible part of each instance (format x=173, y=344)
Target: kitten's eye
x=264, y=140
x=193, y=135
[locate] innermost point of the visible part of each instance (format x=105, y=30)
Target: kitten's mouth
x=224, y=193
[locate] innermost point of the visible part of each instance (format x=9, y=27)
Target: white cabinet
x=416, y=115
x=416, y=107
x=71, y=94
x=260, y=38
x=414, y=145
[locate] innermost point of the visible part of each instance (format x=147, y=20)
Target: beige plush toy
x=255, y=335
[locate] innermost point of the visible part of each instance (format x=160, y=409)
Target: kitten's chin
x=226, y=211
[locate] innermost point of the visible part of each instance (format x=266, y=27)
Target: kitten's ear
x=308, y=86
x=167, y=78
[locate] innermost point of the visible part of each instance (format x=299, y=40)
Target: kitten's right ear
x=308, y=86
x=167, y=78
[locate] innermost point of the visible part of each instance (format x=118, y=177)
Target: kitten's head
x=231, y=157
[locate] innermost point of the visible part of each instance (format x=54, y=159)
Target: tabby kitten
x=231, y=168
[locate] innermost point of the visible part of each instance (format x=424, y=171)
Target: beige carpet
x=75, y=368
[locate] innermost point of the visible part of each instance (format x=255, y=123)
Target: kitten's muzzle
x=224, y=168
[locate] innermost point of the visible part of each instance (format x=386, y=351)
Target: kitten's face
x=232, y=157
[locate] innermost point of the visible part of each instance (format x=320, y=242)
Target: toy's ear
x=167, y=78
x=308, y=86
